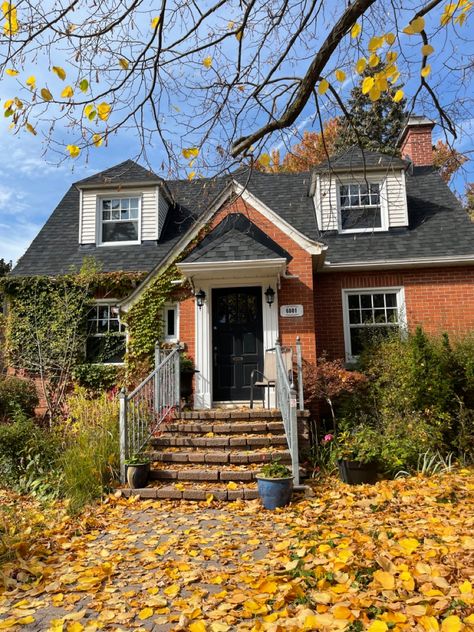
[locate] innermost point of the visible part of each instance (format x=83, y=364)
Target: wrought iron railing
x=286, y=399
x=145, y=408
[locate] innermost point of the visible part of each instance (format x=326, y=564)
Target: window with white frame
x=119, y=219
x=106, y=336
x=371, y=313
x=171, y=323
x=360, y=206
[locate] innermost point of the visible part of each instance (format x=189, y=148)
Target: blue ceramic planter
x=275, y=492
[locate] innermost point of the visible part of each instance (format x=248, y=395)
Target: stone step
x=220, y=442
x=224, y=414
x=237, y=457
x=221, y=427
x=195, y=491
x=196, y=472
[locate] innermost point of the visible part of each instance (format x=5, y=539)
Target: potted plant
x=138, y=471
x=186, y=377
x=357, y=456
x=275, y=485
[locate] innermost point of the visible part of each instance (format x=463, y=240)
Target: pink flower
x=328, y=438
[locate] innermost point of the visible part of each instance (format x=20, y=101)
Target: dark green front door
x=237, y=341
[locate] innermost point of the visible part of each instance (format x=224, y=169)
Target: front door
x=237, y=341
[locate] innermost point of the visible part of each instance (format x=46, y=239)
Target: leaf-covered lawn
x=395, y=556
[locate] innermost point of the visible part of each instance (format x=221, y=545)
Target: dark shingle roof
x=236, y=238
x=356, y=158
x=439, y=227
x=128, y=171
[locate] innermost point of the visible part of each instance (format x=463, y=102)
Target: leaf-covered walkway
x=398, y=556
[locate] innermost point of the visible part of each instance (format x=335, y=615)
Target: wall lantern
x=270, y=295
x=200, y=298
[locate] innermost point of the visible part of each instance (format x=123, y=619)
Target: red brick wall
x=439, y=299
x=295, y=291
x=418, y=145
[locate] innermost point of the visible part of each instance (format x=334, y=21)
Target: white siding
x=149, y=212
x=162, y=211
x=393, y=194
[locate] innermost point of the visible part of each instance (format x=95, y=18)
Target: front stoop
x=214, y=453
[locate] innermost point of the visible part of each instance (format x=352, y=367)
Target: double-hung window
x=106, y=337
x=360, y=206
x=119, y=220
x=369, y=314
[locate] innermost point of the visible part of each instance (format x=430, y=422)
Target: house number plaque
x=291, y=311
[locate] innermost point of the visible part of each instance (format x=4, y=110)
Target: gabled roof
x=123, y=173
x=357, y=159
x=236, y=238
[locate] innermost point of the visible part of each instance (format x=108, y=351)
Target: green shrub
x=96, y=377
x=17, y=394
x=90, y=461
x=28, y=457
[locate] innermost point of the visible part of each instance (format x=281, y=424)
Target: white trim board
x=387, y=264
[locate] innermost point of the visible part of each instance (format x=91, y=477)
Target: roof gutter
x=386, y=264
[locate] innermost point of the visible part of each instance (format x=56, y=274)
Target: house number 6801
x=290, y=311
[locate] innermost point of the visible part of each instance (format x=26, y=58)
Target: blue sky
x=32, y=182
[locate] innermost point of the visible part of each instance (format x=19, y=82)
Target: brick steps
x=211, y=473
x=214, y=453
x=222, y=427
x=223, y=441
x=230, y=456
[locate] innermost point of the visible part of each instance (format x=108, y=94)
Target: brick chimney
x=416, y=142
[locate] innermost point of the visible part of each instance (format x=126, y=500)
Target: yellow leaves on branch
x=155, y=22
x=12, y=72
x=46, y=94
x=73, y=150
x=190, y=152
x=415, y=26
x=462, y=7
x=427, y=50
x=367, y=84
x=356, y=30
x=97, y=139
x=103, y=111
x=207, y=62
x=11, y=19
x=83, y=85
x=67, y=93
x=361, y=65
x=323, y=86
x=124, y=64
x=425, y=71
x=60, y=72
x=375, y=43
x=340, y=75
x=31, y=82
x=90, y=112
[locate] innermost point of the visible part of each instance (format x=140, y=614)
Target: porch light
x=270, y=295
x=200, y=298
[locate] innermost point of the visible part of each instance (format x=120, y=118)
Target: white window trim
x=174, y=338
x=112, y=302
x=401, y=306
x=125, y=194
x=384, y=219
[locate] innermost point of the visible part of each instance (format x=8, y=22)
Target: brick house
x=365, y=241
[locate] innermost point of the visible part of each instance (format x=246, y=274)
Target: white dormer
x=358, y=200
x=122, y=215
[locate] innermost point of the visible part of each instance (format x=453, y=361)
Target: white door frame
x=203, y=397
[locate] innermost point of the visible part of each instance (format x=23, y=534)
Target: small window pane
x=392, y=315
x=106, y=204
x=114, y=324
x=115, y=204
x=391, y=300
x=170, y=323
x=103, y=311
x=115, y=215
x=367, y=316
x=379, y=315
x=354, y=301
x=134, y=203
x=354, y=317
x=378, y=300
x=134, y=213
x=120, y=231
x=366, y=300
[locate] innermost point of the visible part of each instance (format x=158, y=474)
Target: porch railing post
x=123, y=432
x=177, y=377
x=299, y=366
x=157, y=381
x=294, y=436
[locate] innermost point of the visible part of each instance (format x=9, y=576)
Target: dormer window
x=119, y=220
x=360, y=207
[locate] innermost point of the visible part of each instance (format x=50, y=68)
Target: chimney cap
x=415, y=120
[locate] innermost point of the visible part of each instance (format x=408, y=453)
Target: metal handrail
x=148, y=405
x=287, y=403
